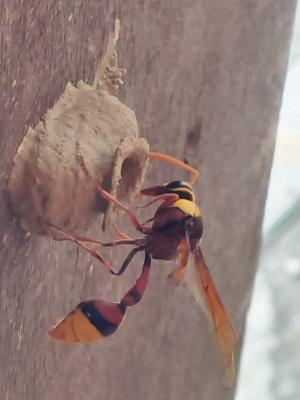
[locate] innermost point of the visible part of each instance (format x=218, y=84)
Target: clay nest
x=47, y=184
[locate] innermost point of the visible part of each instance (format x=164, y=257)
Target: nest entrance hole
x=131, y=175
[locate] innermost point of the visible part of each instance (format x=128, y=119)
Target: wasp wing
x=222, y=326
x=183, y=252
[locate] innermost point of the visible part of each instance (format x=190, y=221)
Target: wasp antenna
x=172, y=160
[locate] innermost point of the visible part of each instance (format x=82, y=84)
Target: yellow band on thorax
x=188, y=207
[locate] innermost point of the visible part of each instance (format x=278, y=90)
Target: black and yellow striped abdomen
x=89, y=321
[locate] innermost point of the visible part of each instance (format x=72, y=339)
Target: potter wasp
x=172, y=233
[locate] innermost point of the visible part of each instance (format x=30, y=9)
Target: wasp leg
x=169, y=199
x=111, y=198
x=177, y=276
x=96, y=319
x=171, y=160
x=104, y=262
x=78, y=239
x=120, y=234
x=72, y=238
x=154, y=191
x=148, y=221
x=75, y=239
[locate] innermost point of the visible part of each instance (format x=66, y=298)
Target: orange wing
x=221, y=322
x=183, y=252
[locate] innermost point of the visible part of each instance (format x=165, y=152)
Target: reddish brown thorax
x=169, y=229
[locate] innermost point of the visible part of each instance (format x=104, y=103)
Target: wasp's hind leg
x=79, y=240
x=120, y=234
x=96, y=319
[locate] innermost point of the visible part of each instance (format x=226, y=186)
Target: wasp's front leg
x=110, y=198
x=167, y=198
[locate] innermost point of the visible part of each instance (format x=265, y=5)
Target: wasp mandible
x=174, y=233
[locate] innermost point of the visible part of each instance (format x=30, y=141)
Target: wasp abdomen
x=89, y=321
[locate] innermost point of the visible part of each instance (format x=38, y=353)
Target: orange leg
x=148, y=221
x=78, y=239
x=124, y=240
x=171, y=160
x=169, y=199
x=92, y=252
x=111, y=198
x=120, y=234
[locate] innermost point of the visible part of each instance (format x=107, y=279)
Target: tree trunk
x=205, y=79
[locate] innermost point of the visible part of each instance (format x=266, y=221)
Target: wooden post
x=205, y=79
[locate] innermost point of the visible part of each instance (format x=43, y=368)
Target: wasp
x=174, y=232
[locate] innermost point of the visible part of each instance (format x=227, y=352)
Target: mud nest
x=47, y=184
